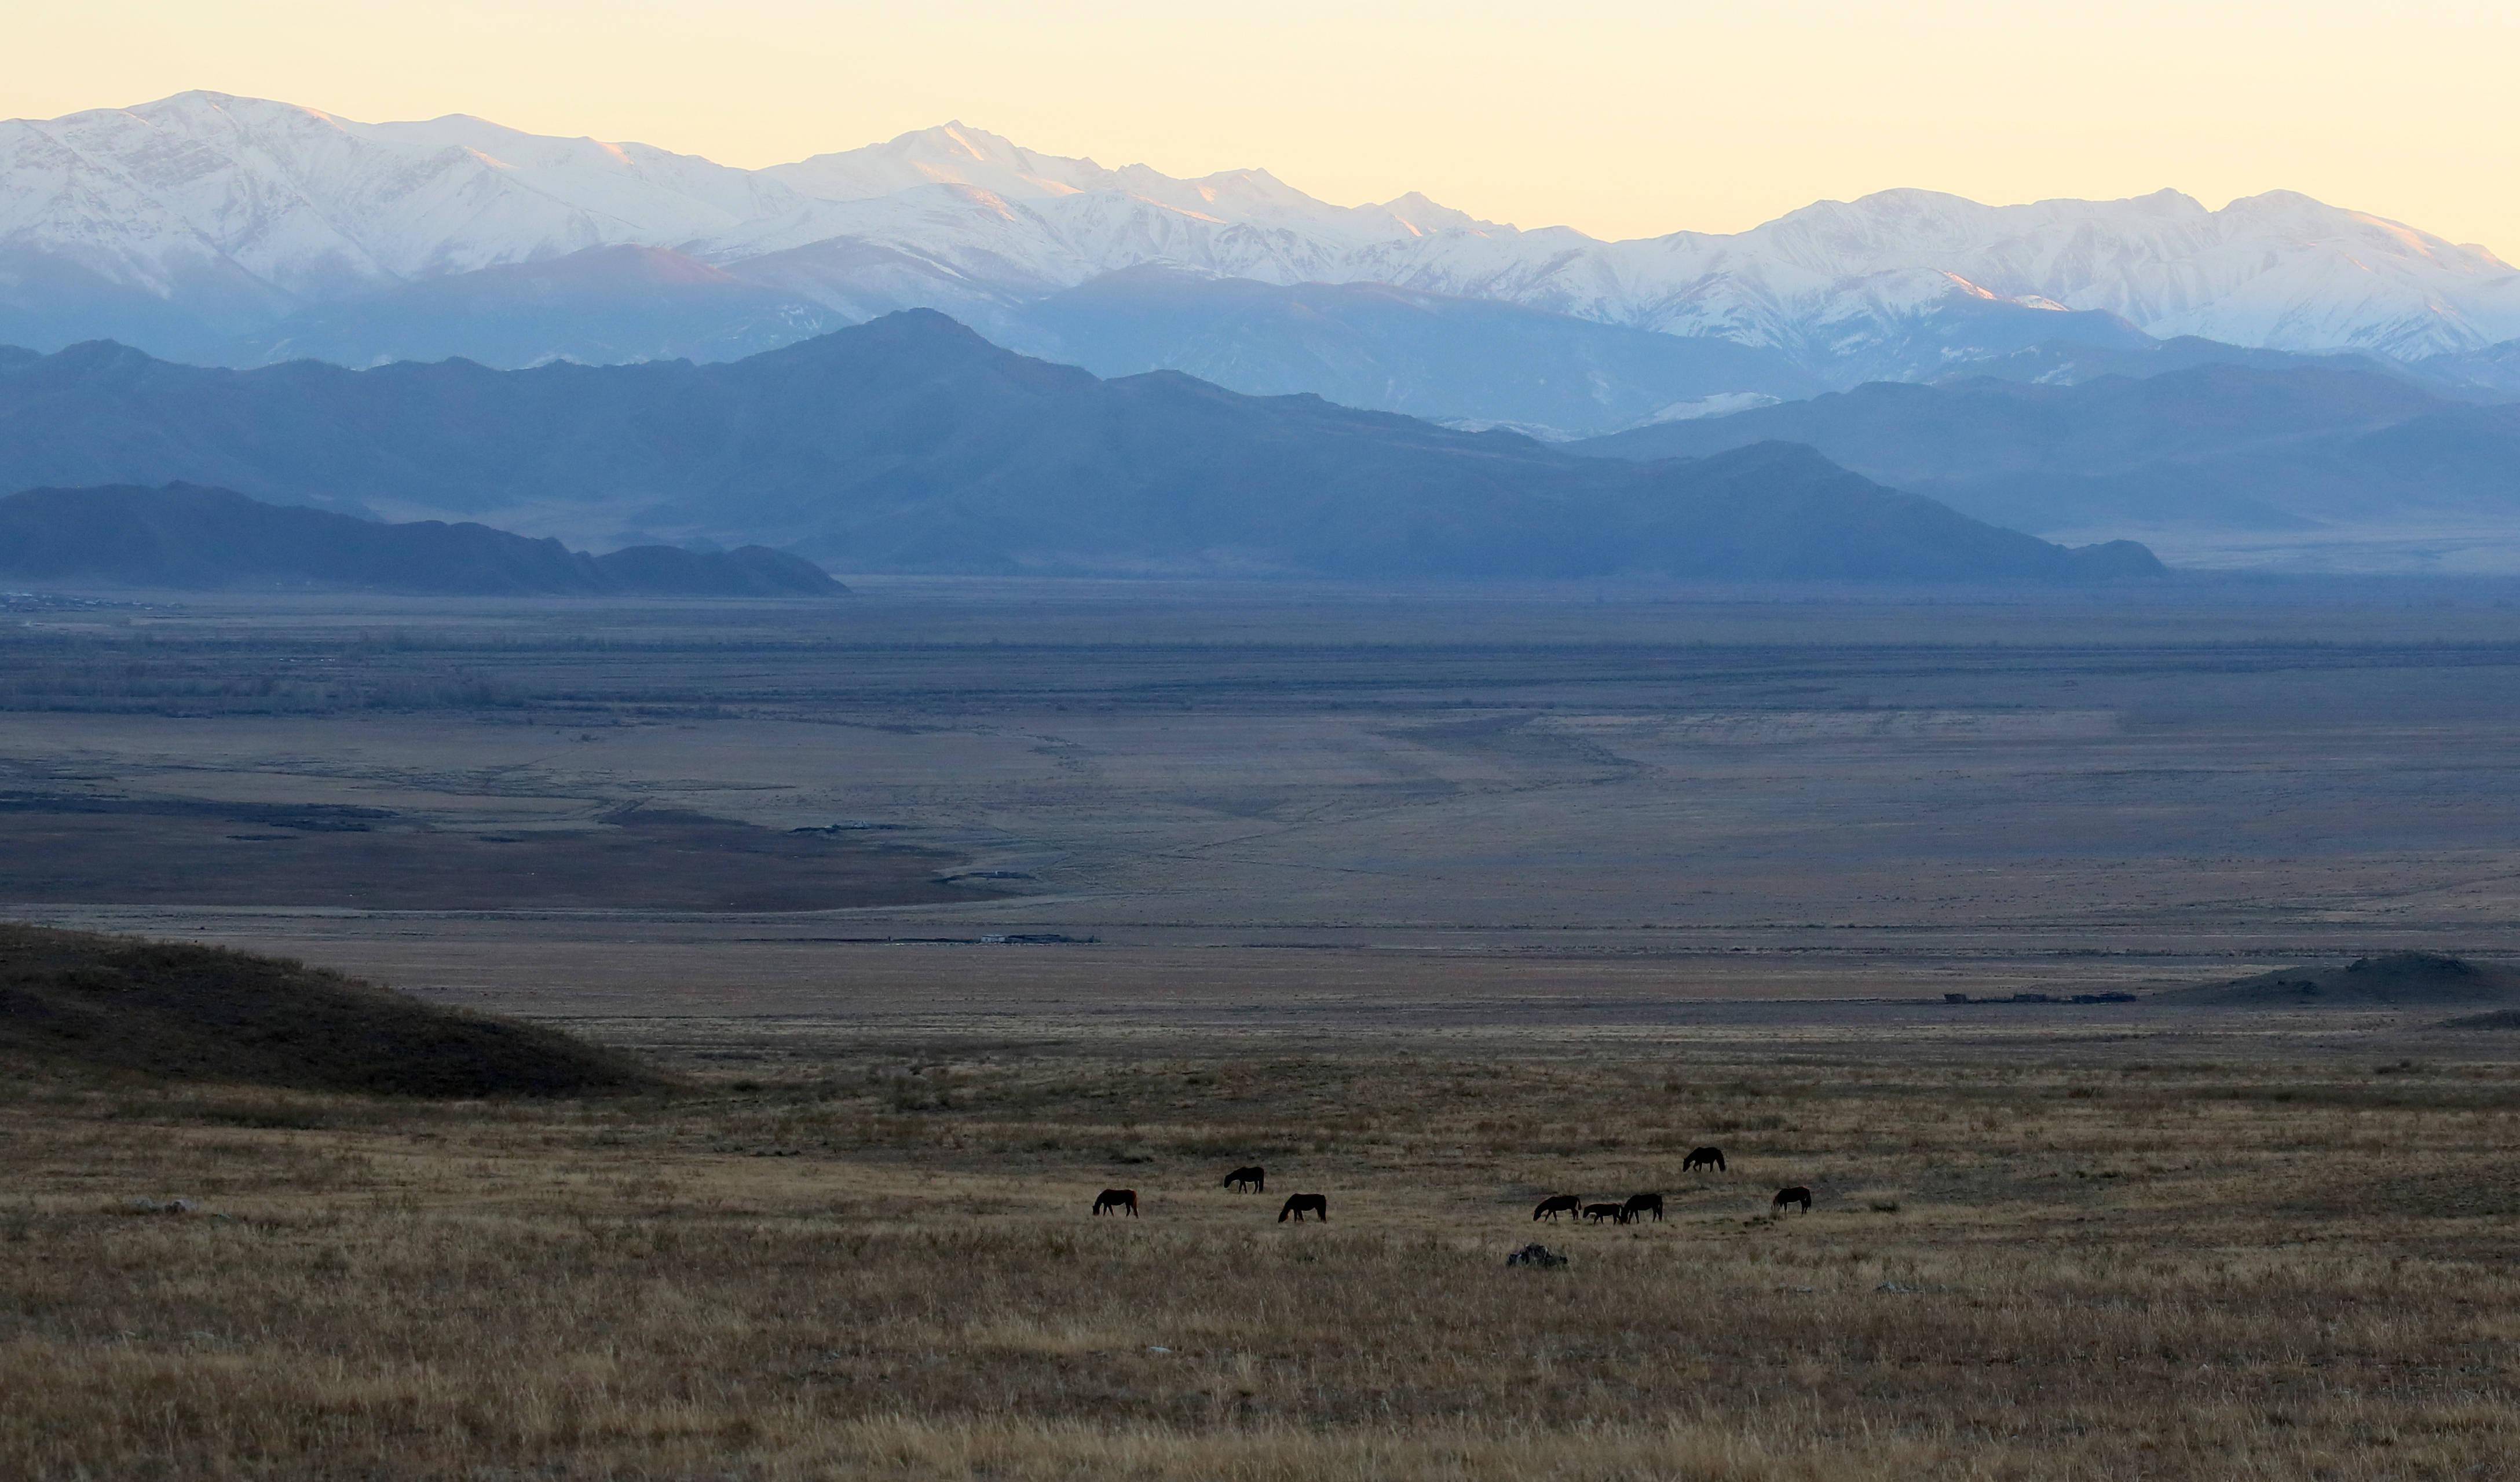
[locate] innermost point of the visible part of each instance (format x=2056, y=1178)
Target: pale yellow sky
x=1623, y=118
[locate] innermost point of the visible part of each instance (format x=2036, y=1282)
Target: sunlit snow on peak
x=283, y=206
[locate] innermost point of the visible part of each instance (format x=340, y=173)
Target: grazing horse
x=1113, y=1200
x=1254, y=1180
x=1299, y=1205
x=1597, y=1213
x=1703, y=1157
x=1794, y=1195
x=1558, y=1204
x=1640, y=1205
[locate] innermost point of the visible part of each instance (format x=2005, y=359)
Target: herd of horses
x=1124, y=1201
x=1255, y=1180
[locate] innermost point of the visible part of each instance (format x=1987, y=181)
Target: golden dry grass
x=880, y=1264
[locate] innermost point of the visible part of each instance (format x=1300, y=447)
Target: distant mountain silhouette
x=1359, y=343
x=912, y=444
x=603, y=306
x=2221, y=445
x=2065, y=362
x=183, y=536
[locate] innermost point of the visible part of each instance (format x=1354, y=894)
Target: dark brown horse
x=1558, y=1204
x=1253, y=1180
x=1113, y=1200
x=1597, y=1213
x=1703, y=1157
x=1794, y=1195
x=1299, y=1205
x=1640, y=1205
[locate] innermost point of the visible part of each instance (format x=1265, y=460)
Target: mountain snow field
x=204, y=219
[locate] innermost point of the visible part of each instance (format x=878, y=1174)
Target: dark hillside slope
x=910, y=443
x=83, y=1001
x=186, y=536
x=2219, y=445
x=2390, y=980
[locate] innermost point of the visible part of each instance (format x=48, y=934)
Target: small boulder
x=1535, y=1254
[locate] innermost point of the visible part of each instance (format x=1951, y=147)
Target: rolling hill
x=186, y=536
x=2389, y=980
x=81, y=1001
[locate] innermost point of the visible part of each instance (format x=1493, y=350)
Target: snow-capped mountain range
x=215, y=227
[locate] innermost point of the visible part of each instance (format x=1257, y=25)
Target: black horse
x=1558, y=1204
x=1794, y=1195
x=1640, y=1205
x=1597, y=1213
x=1299, y=1205
x=1254, y=1180
x=1703, y=1157
x=1113, y=1200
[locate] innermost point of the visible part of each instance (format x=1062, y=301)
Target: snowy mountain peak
x=948, y=153
x=975, y=143
x=201, y=106
x=1418, y=216
x=226, y=212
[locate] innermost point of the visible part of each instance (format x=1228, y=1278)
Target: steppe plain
x=1434, y=901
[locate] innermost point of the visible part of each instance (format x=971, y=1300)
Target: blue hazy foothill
x=183, y=536
x=910, y=443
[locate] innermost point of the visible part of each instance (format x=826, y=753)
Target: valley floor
x=1433, y=903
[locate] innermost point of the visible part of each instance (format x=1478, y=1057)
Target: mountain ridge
x=2208, y=444
x=200, y=221
x=910, y=443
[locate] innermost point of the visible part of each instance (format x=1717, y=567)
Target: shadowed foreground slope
x=76, y=999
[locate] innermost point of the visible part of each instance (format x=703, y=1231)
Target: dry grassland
x=1424, y=901
x=877, y=1261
